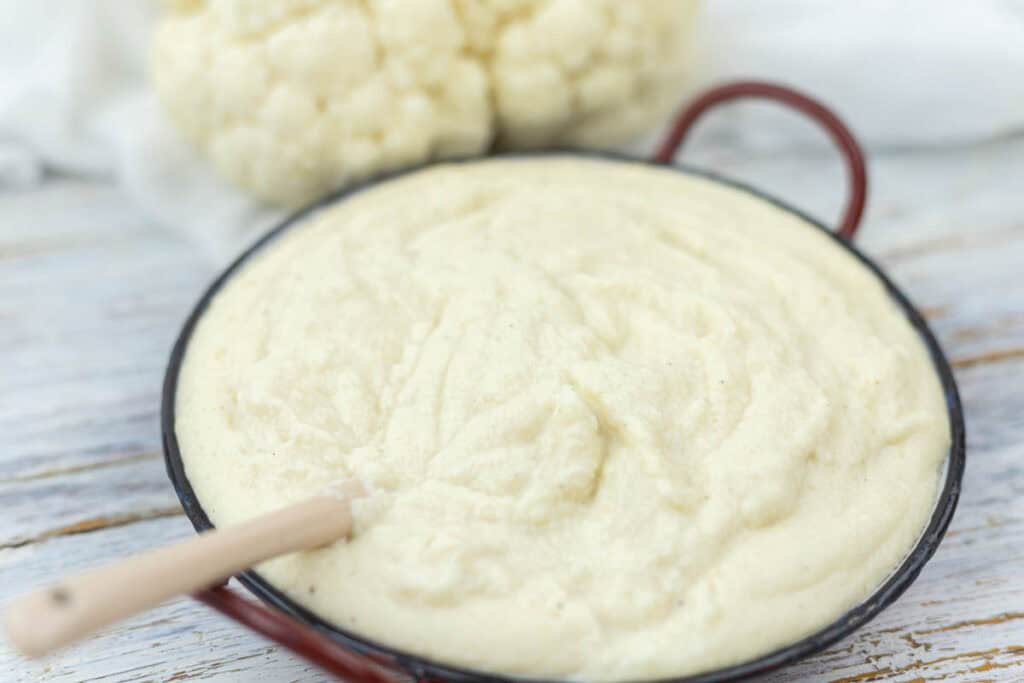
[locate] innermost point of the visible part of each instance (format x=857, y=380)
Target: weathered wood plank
x=80, y=499
x=90, y=297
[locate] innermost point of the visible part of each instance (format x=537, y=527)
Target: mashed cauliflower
x=621, y=422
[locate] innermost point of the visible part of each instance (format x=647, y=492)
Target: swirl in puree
x=620, y=422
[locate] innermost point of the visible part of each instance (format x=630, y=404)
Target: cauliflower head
x=291, y=99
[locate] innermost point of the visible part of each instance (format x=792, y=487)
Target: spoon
x=50, y=618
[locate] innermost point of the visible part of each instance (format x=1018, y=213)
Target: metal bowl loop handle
x=297, y=637
x=840, y=134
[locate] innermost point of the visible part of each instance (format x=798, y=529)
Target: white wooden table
x=92, y=295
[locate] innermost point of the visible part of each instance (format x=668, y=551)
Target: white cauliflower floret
x=293, y=98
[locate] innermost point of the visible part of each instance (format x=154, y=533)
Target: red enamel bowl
x=356, y=658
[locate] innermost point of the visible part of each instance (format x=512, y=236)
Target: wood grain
x=91, y=297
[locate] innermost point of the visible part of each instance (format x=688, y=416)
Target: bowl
x=355, y=657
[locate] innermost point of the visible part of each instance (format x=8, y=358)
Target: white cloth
x=74, y=96
x=901, y=74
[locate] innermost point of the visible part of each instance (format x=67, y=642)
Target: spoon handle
x=47, y=619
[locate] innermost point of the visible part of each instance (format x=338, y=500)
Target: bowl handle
x=852, y=153
x=299, y=638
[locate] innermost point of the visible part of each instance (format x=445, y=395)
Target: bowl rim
x=424, y=667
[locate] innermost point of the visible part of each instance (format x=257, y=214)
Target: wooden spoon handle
x=50, y=618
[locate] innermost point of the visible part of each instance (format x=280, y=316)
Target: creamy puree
x=621, y=422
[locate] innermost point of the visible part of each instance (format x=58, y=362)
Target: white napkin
x=901, y=74
x=74, y=97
